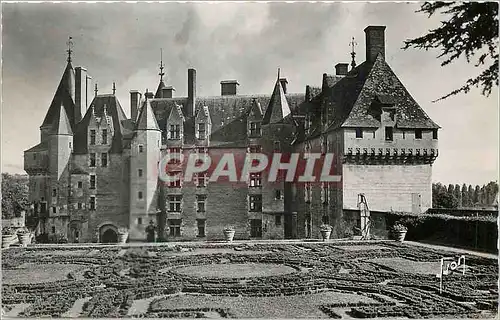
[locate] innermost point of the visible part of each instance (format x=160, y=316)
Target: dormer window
x=359, y=133
x=104, y=136
x=255, y=129
x=201, y=131
x=388, y=134
x=175, y=131
x=418, y=133
x=92, y=137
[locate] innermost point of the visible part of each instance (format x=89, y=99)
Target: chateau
x=96, y=170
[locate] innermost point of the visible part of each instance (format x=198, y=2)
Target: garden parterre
x=112, y=279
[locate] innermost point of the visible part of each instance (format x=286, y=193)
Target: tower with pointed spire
x=145, y=156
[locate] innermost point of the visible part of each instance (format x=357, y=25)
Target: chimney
x=341, y=69
x=229, y=87
x=191, y=102
x=284, y=82
x=80, y=92
x=149, y=95
x=167, y=92
x=135, y=98
x=375, y=42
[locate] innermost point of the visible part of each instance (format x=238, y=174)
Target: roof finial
x=95, y=89
x=161, y=74
x=279, y=69
x=146, y=95
x=353, y=53
x=70, y=48
x=114, y=88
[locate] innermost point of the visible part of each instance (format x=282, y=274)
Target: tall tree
x=465, y=196
x=475, y=198
x=471, y=195
x=15, y=192
x=469, y=29
x=458, y=195
x=441, y=198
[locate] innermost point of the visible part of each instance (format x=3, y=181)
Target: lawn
x=299, y=280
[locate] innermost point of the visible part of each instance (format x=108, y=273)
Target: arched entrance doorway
x=108, y=234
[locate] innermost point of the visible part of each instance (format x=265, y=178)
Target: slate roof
x=121, y=125
x=146, y=119
x=61, y=124
x=278, y=107
x=42, y=146
x=63, y=95
x=161, y=85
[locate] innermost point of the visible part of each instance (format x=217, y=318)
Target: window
x=277, y=220
x=139, y=195
x=104, y=136
x=54, y=192
x=54, y=210
x=374, y=134
x=256, y=203
x=255, y=129
x=175, y=203
x=277, y=146
x=92, y=137
x=175, y=183
x=92, y=160
x=255, y=228
x=201, y=180
x=34, y=156
x=418, y=133
x=254, y=149
x=141, y=148
x=175, y=131
x=255, y=180
x=139, y=172
x=174, y=227
x=175, y=155
x=92, y=202
x=92, y=181
x=104, y=160
x=70, y=144
x=404, y=134
x=201, y=131
x=201, y=201
x=277, y=194
x=139, y=220
x=388, y=133
x=53, y=229
x=435, y=134
x=201, y=227
x=79, y=205
x=324, y=193
x=359, y=133
x=80, y=184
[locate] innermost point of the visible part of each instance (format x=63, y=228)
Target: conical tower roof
x=64, y=96
x=61, y=124
x=278, y=107
x=146, y=119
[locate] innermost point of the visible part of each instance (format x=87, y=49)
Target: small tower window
x=54, y=210
x=277, y=221
x=277, y=146
x=53, y=229
x=277, y=194
x=404, y=134
x=139, y=172
x=141, y=148
x=79, y=205
x=54, y=192
x=435, y=134
x=388, y=134
x=139, y=220
x=92, y=160
x=139, y=195
x=70, y=144
x=255, y=130
x=104, y=136
x=80, y=184
x=104, y=159
x=92, y=181
x=418, y=133
x=92, y=202
x=92, y=137
x=359, y=133
x=34, y=156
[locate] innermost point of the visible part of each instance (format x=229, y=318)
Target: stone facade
x=96, y=170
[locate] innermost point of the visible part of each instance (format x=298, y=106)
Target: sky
x=244, y=41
